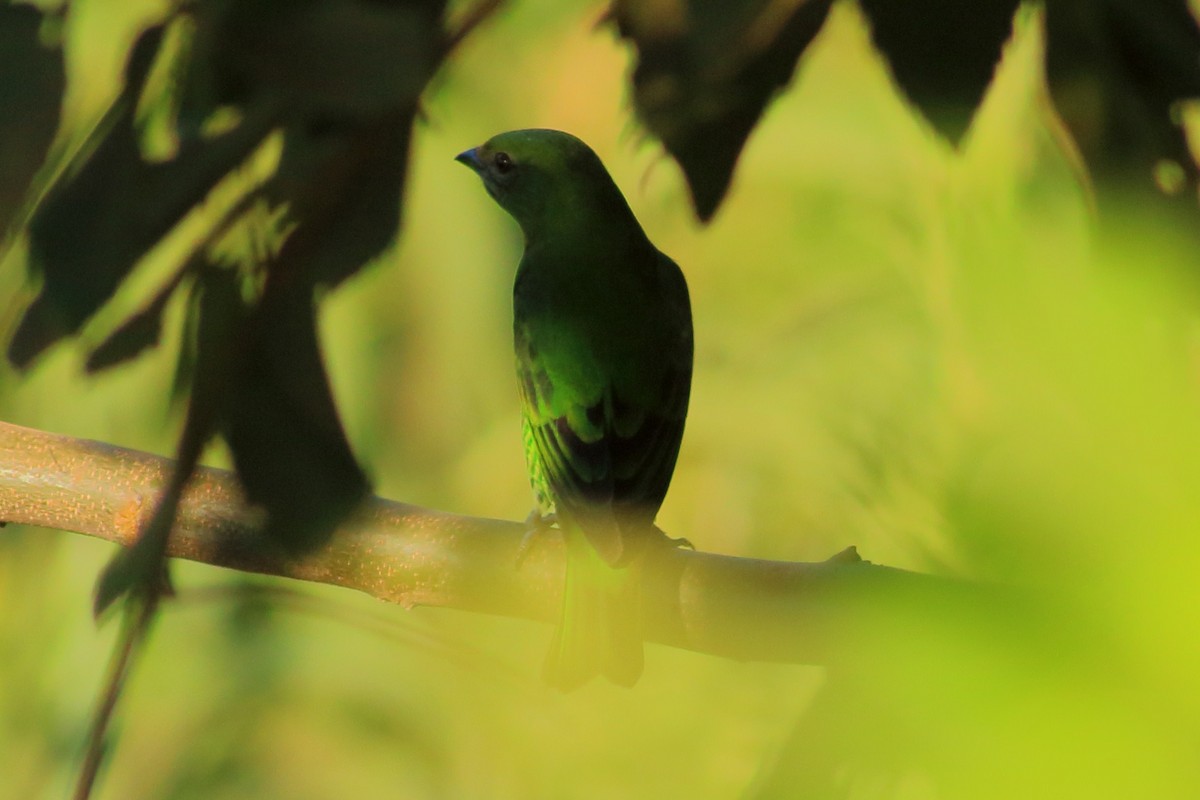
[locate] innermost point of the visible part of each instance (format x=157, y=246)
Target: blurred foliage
x=222, y=79
x=1118, y=71
x=932, y=352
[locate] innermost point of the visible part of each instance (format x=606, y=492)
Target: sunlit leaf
x=705, y=72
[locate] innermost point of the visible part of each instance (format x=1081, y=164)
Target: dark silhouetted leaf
x=1117, y=69
x=340, y=178
x=218, y=324
x=322, y=58
x=282, y=425
x=72, y=288
x=343, y=184
x=342, y=80
x=141, y=331
x=218, y=313
x=141, y=569
x=706, y=70
x=31, y=90
x=942, y=52
x=94, y=224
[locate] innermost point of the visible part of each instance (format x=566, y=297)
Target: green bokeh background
x=929, y=354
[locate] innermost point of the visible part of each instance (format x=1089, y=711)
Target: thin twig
x=133, y=634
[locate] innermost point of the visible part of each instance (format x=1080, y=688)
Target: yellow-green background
x=924, y=353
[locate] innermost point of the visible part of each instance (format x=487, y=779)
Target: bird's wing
x=606, y=440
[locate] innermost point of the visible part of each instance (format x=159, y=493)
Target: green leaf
x=31, y=91
x=705, y=72
x=943, y=53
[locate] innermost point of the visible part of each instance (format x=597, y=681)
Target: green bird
x=602, y=329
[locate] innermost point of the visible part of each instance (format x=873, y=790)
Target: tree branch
x=723, y=605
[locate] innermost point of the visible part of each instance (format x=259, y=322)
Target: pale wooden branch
x=723, y=605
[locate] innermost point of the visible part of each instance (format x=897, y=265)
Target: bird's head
x=546, y=180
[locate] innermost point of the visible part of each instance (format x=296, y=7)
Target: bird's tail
x=600, y=632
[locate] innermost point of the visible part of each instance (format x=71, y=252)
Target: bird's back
x=604, y=356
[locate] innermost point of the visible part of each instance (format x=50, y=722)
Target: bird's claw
x=536, y=524
x=672, y=541
x=848, y=556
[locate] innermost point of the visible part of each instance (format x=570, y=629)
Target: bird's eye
x=504, y=163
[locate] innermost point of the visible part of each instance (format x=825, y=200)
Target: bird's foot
x=671, y=541
x=848, y=556
x=536, y=524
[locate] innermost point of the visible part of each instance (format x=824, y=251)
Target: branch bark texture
x=728, y=606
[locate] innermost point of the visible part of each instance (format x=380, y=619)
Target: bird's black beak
x=470, y=158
